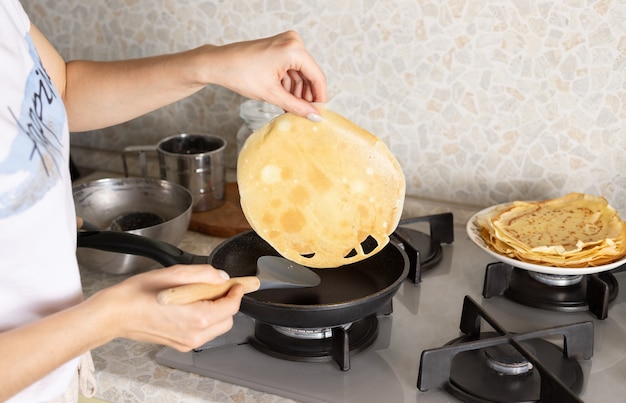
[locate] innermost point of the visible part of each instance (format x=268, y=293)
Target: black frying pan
x=345, y=294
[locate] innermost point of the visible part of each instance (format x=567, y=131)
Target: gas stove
x=385, y=357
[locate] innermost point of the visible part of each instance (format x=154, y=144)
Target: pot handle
x=143, y=162
x=123, y=242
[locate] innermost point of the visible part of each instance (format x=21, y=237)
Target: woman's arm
x=278, y=70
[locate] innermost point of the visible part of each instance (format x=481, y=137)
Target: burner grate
x=437, y=366
x=592, y=292
x=424, y=251
x=342, y=341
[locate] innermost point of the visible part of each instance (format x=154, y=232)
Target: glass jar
x=255, y=114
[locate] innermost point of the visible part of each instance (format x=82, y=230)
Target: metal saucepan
x=344, y=295
x=152, y=208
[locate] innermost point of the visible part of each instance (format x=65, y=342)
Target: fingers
x=194, y=339
x=299, y=96
x=299, y=86
x=303, y=66
x=278, y=70
x=187, y=274
x=182, y=327
x=314, y=78
x=303, y=81
x=214, y=319
x=295, y=84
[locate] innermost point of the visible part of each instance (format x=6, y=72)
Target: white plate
x=473, y=230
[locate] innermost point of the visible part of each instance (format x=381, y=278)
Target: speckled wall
x=482, y=101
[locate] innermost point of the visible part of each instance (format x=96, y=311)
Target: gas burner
x=507, y=367
x=556, y=280
x=424, y=250
x=504, y=359
x=577, y=293
x=316, y=345
x=308, y=334
x=479, y=375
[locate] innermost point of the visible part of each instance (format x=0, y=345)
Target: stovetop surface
x=425, y=316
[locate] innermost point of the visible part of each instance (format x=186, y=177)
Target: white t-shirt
x=38, y=270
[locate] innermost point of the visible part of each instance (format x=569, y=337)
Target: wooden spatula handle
x=188, y=293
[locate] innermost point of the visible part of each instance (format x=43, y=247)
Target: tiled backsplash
x=482, y=101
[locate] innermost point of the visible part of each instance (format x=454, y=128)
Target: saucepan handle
x=143, y=161
x=123, y=242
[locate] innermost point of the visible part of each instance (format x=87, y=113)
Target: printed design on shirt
x=35, y=162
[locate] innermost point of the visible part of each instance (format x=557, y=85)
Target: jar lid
x=257, y=113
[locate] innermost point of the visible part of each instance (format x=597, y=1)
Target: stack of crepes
x=576, y=230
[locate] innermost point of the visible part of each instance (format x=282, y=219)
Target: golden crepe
x=576, y=230
x=315, y=191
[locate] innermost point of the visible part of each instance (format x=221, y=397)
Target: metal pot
x=104, y=202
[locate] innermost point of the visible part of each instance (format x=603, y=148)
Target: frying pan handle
x=123, y=242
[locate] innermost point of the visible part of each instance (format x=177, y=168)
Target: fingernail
x=314, y=117
x=224, y=275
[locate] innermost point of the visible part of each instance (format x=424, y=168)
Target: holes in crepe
x=368, y=246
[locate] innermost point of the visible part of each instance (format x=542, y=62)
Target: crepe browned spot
x=323, y=194
x=576, y=230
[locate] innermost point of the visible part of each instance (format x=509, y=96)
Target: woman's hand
x=131, y=310
x=128, y=309
x=278, y=70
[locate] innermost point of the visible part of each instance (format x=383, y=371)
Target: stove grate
x=592, y=292
x=342, y=342
x=436, y=365
x=424, y=251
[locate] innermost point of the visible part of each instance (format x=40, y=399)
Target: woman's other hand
x=131, y=310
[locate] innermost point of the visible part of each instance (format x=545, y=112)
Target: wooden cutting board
x=224, y=221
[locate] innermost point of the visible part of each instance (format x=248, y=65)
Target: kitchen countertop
x=127, y=372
